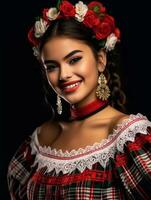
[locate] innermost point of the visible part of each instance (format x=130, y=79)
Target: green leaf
x=37, y=18
x=102, y=43
x=58, y=4
x=96, y=9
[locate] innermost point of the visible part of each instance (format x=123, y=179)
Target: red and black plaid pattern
x=127, y=176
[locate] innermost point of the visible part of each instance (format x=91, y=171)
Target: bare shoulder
x=48, y=132
x=117, y=118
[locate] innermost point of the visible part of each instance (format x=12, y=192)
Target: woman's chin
x=72, y=100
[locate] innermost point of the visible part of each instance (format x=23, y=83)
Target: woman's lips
x=70, y=86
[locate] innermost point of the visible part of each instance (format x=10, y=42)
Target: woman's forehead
x=63, y=46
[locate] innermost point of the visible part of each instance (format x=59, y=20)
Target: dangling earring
x=102, y=91
x=59, y=105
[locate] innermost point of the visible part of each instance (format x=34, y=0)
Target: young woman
x=96, y=151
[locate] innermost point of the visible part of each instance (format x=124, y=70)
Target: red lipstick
x=70, y=86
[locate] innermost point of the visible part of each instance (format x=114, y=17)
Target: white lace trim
x=67, y=162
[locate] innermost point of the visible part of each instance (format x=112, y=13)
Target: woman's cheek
x=52, y=78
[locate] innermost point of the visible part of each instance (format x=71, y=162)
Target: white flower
x=40, y=27
x=36, y=51
x=79, y=18
x=52, y=13
x=81, y=10
x=110, y=42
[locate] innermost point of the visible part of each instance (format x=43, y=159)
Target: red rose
x=109, y=19
x=32, y=38
x=97, y=7
x=67, y=9
x=45, y=10
x=105, y=28
x=117, y=33
x=91, y=19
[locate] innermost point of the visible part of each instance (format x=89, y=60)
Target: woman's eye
x=51, y=68
x=74, y=60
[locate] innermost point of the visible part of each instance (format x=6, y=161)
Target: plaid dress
x=119, y=167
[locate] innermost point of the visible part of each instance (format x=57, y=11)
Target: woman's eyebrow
x=50, y=61
x=71, y=54
x=66, y=57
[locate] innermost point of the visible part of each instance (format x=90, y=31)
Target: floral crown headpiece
x=93, y=16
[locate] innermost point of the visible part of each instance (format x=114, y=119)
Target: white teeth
x=73, y=85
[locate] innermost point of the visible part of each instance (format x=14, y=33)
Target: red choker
x=87, y=110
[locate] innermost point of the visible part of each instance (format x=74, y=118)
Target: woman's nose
x=65, y=72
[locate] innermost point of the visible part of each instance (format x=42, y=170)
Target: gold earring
x=59, y=105
x=102, y=91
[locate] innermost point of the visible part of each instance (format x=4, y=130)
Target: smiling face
x=72, y=69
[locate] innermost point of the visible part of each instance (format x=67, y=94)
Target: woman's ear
x=102, y=60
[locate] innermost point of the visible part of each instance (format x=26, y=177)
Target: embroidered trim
x=67, y=162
